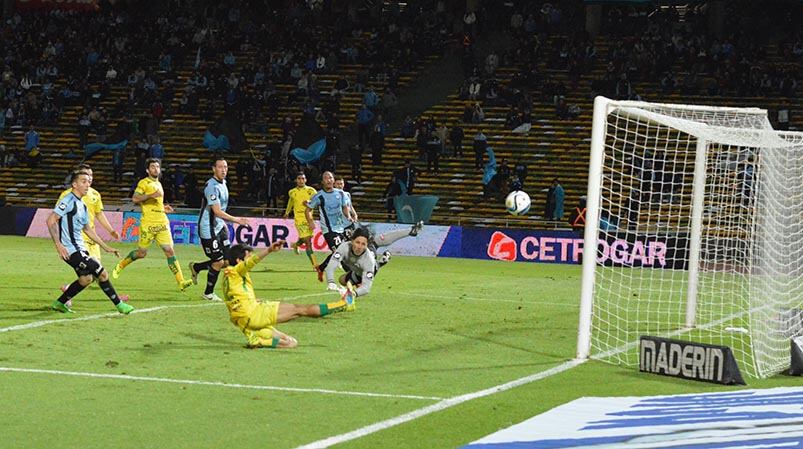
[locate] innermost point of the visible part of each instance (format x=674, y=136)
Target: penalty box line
x=216, y=384
x=35, y=324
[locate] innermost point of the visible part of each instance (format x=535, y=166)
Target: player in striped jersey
x=66, y=224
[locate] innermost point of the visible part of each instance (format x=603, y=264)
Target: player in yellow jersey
x=255, y=318
x=153, y=224
x=297, y=199
x=94, y=208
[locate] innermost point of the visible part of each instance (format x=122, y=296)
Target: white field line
x=442, y=405
x=471, y=298
x=216, y=384
x=41, y=323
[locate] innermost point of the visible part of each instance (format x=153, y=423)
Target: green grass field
x=176, y=374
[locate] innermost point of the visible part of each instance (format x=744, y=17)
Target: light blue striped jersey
x=74, y=217
x=215, y=192
x=330, y=209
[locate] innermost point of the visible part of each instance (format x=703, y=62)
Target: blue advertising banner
x=625, y=249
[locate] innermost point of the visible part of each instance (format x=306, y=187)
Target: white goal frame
x=758, y=125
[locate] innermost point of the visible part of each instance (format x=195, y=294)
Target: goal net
x=697, y=213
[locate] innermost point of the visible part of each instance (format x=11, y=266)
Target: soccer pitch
x=426, y=360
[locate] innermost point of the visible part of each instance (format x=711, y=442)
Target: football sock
x=325, y=262
x=211, y=280
x=175, y=269
x=73, y=290
x=385, y=239
x=332, y=307
x=132, y=256
x=201, y=266
x=311, y=255
x=107, y=288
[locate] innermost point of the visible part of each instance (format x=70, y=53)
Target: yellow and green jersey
x=153, y=209
x=238, y=290
x=94, y=206
x=297, y=199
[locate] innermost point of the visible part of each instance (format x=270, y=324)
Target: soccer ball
x=517, y=202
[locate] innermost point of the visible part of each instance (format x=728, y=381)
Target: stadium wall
x=626, y=249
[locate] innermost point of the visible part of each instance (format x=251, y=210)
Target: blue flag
x=414, y=208
x=490, y=167
x=92, y=148
x=311, y=154
x=218, y=143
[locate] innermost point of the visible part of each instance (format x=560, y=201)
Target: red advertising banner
x=65, y=5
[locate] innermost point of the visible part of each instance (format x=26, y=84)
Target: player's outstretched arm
x=107, y=226
x=275, y=246
x=94, y=236
x=53, y=229
x=220, y=213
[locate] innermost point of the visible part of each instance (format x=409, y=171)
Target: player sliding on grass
x=297, y=199
x=154, y=224
x=212, y=228
x=255, y=318
x=65, y=225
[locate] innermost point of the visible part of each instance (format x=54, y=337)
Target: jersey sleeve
x=212, y=195
x=245, y=266
x=315, y=201
x=62, y=195
x=290, y=202
x=62, y=207
x=142, y=187
x=98, y=207
x=368, y=267
x=337, y=257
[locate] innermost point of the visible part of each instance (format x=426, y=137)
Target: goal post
x=695, y=217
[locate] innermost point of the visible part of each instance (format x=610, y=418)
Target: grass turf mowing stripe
x=471, y=298
x=216, y=384
x=442, y=405
x=41, y=323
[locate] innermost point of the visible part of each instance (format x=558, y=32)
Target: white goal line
x=216, y=384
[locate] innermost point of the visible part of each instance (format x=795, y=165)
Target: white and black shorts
x=334, y=239
x=83, y=264
x=217, y=247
